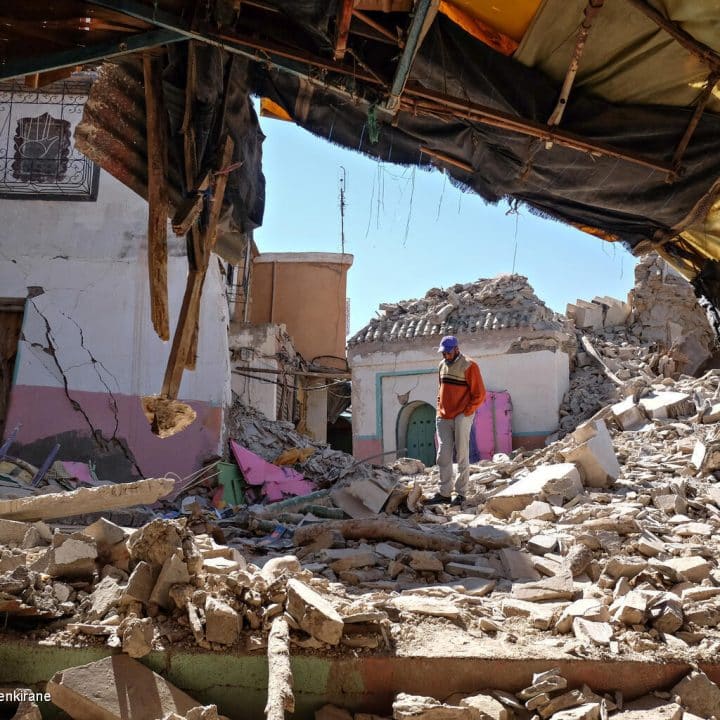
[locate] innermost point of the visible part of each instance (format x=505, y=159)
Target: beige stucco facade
x=387, y=376
x=307, y=293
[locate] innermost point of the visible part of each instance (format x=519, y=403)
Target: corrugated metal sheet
x=113, y=132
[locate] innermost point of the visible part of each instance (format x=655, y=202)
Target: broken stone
x=435, y=607
x=136, y=636
x=562, y=480
x=692, y=569
x=586, y=711
x=275, y=568
x=105, y=532
x=155, y=542
x=597, y=633
x=173, y=572
x=100, y=689
x=418, y=707
x=104, y=597
x=140, y=584
x=313, y=613
x=73, y=558
x=486, y=707
x=222, y=623
x=422, y=561
x=594, y=454
x=628, y=414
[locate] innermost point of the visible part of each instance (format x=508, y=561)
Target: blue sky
x=410, y=230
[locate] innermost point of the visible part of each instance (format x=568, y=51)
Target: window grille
x=38, y=160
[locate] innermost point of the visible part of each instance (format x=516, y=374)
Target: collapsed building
x=568, y=575
x=585, y=561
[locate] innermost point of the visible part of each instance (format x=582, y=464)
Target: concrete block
x=588, y=315
x=562, y=479
x=667, y=405
x=594, y=454
x=116, y=688
x=222, y=623
x=72, y=557
x=628, y=414
x=615, y=312
x=313, y=613
x=12, y=532
x=86, y=500
x=434, y=607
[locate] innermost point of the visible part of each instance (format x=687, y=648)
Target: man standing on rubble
x=461, y=392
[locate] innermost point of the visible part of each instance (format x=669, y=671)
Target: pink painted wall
x=365, y=448
x=46, y=412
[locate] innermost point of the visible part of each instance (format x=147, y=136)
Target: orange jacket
x=461, y=388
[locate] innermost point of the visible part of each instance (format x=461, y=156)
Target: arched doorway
x=420, y=433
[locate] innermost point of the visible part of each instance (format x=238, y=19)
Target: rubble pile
x=507, y=301
x=548, y=698
x=666, y=311
x=270, y=440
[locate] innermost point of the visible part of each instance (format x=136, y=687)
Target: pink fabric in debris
x=277, y=482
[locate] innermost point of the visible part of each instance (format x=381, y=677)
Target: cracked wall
x=87, y=350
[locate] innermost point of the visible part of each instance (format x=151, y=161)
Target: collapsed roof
x=601, y=114
x=506, y=301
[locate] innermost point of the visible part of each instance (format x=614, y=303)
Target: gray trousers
x=454, y=435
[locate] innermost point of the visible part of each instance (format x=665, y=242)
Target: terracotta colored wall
x=308, y=296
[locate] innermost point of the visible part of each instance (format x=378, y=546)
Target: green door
x=421, y=434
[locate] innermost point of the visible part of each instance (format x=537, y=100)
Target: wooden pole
x=157, y=195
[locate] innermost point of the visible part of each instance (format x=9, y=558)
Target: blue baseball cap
x=448, y=343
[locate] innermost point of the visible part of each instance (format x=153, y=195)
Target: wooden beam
x=157, y=173
x=702, y=102
x=83, y=55
x=447, y=159
x=419, y=100
x=425, y=12
x=345, y=14
x=190, y=310
x=591, y=10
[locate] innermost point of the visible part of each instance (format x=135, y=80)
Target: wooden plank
x=345, y=14
x=157, y=165
x=190, y=310
x=195, y=250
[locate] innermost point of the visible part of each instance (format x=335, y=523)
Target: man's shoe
x=457, y=501
x=437, y=499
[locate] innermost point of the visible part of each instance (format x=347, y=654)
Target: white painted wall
x=535, y=380
x=90, y=260
x=258, y=344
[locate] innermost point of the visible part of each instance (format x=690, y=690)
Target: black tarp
x=619, y=197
